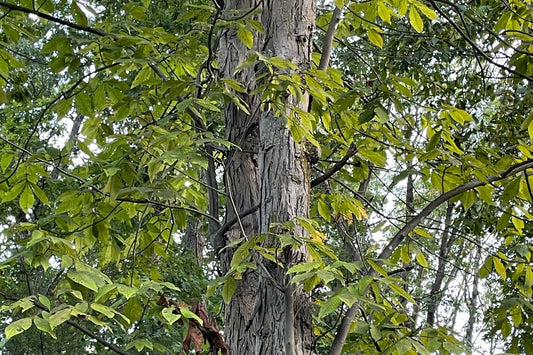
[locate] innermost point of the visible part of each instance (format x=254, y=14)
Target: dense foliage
x=112, y=131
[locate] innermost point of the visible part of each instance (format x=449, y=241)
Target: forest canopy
x=266, y=177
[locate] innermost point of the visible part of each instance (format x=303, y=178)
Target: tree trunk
x=267, y=315
x=473, y=302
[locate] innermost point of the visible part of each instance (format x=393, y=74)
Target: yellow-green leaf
x=378, y=268
x=191, y=315
x=529, y=277
x=323, y=210
x=415, y=19
x=500, y=268
x=460, y=116
x=402, y=7
x=375, y=37
x=429, y=13
x=83, y=278
x=246, y=36
x=18, y=327
x=26, y=199
x=421, y=260
x=40, y=194
x=59, y=317
x=169, y=315
x=106, y=311
x=44, y=326
x=45, y=301
x=397, y=289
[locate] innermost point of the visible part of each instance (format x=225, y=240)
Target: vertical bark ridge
x=267, y=314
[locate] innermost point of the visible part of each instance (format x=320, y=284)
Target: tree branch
x=336, y=167
x=96, y=31
x=81, y=328
x=344, y=327
x=220, y=232
x=413, y=223
x=328, y=39
x=475, y=46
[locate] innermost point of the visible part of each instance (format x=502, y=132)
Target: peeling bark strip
x=267, y=315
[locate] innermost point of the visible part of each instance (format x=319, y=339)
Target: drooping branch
x=94, y=188
x=96, y=31
x=343, y=330
x=72, y=323
x=475, y=47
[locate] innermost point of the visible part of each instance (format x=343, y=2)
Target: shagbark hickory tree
x=309, y=177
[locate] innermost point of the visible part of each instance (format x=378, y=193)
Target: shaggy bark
x=266, y=315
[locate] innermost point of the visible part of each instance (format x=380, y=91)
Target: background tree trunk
x=266, y=315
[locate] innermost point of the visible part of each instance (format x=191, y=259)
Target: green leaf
x=415, y=19
x=375, y=37
x=228, y=289
x=143, y=76
x=106, y=311
x=78, y=14
x=500, y=268
x=246, y=36
x=83, y=278
x=169, y=315
x=511, y=190
x=485, y=192
x=40, y=194
x=190, y=315
x=378, y=268
x=18, y=327
x=242, y=252
x=133, y=309
x=282, y=63
x=26, y=199
x=59, y=317
x=83, y=104
x=6, y=160
x=44, y=326
x=330, y=306
x=452, y=348
x=140, y=344
x=310, y=282
x=397, y=289
x=467, y=199
x=374, y=332
x=304, y=267
x=421, y=259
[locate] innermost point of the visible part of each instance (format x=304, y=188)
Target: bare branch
x=328, y=39
x=336, y=167
x=96, y=31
